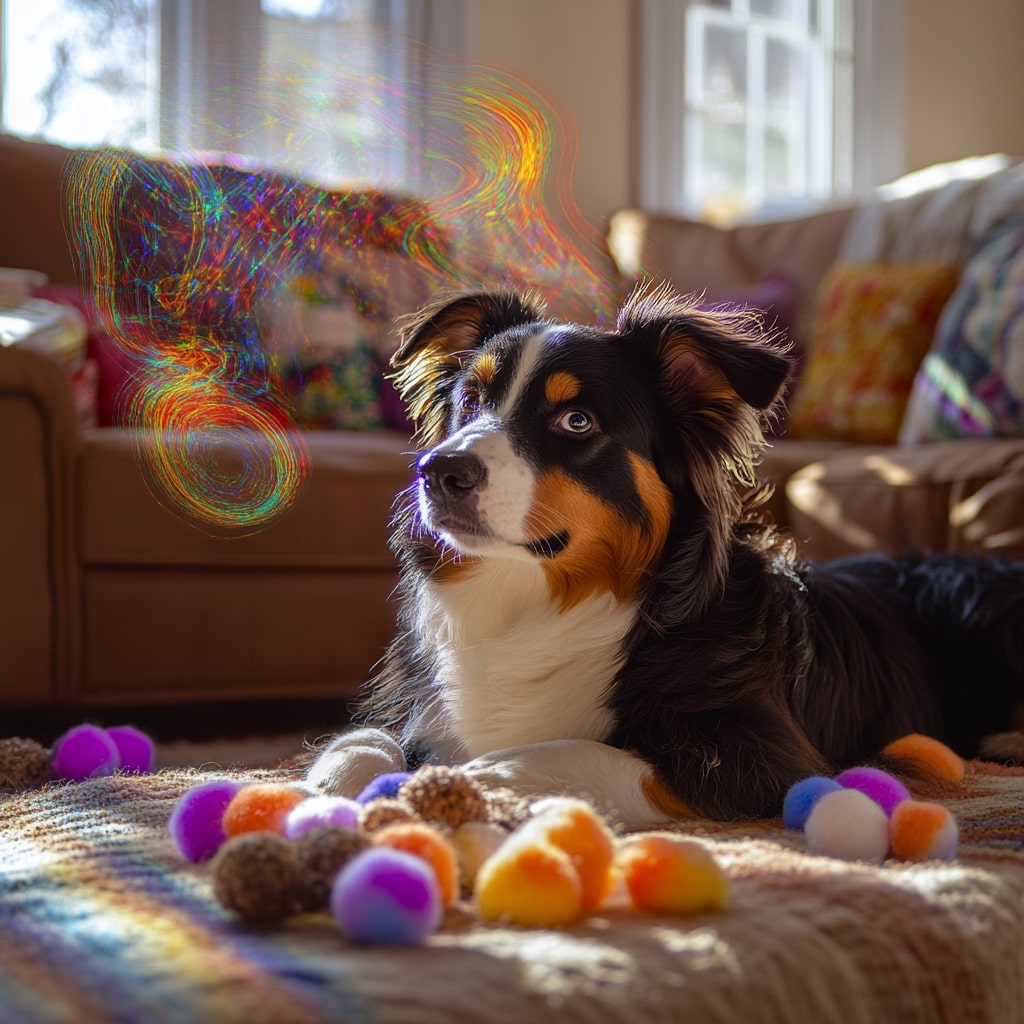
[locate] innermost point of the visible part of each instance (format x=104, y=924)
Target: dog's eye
x=469, y=406
x=575, y=421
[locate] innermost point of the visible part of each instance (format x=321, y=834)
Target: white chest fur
x=512, y=668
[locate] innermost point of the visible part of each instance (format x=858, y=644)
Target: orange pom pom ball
x=429, y=845
x=927, y=756
x=922, y=831
x=667, y=874
x=261, y=807
x=533, y=885
x=575, y=827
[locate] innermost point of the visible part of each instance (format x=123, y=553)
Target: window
x=766, y=107
x=319, y=86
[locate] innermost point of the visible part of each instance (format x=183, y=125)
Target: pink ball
x=136, y=749
x=84, y=752
x=321, y=810
x=196, y=822
x=885, y=789
x=387, y=897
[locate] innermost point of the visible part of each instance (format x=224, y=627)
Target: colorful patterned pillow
x=971, y=383
x=874, y=324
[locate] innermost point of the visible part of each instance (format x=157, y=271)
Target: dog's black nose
x=454, y=475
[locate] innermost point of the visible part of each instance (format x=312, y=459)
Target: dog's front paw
x=354, y=759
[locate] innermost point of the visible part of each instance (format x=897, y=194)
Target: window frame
x=868, y=148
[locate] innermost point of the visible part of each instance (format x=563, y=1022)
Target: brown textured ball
x=22, y=762
x=257, y=876
x=322, y=852
x=385, y=811
x=444, y=795
x=506, y=808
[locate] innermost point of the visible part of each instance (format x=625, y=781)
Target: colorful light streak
x=184, y=257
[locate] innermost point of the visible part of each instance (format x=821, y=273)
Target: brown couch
x=109, y=598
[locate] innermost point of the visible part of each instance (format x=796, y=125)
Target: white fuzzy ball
x=847, y=824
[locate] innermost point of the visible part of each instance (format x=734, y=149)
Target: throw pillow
x=971, y=383
x=874, y=324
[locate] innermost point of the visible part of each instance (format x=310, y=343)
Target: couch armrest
x=39, y=592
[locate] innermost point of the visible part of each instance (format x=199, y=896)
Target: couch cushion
x=971, y=383
x=875, y=322
x=956, y=495
x=339, y=520
x=695, y=256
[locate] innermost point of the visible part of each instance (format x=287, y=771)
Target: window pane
x=81, y=73
x=725, y=72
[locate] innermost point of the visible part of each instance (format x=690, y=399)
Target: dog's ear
x=433, y=340
x=702, y=350
x=718, y=375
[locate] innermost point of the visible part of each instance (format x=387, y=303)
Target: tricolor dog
x=592, y=602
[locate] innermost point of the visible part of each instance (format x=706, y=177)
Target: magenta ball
x=196, y=822
x=386, y=897
x=84, y=752
x=136, y=749
x=885, y=789
x=321, y=810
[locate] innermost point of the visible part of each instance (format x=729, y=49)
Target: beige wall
x=579, y=55
x=964, y=79
x=964, y=84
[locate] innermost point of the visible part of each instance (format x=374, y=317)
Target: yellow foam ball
x=667, y=874
x=575, y=827
x=530, y=884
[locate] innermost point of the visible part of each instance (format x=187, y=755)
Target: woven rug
x=101, y=921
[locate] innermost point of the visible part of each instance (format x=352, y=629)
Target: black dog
x=592, y=604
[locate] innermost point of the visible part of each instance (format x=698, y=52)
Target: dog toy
x=885, y=789
x=849, y=825
x=543, y=865
x=385, y=785
x=197, y=821
x=320, y=810
x=257, y=876
x=89, y=752
x=385, y=896
x=431, y=847
x=668, y=874
x=553, y=868
x=923, y=831
x=22, y=762
x=842, y=826
x=261, y=807
x=927, y=757
x=444, y=795
x=802, y=796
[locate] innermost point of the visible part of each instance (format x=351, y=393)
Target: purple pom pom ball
x=136, y=749
x=386, y=785
x=84, y=752
x=196, y=822
x=386, y=897
x=885, y=789
x=321, y=810
x=802, y=797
